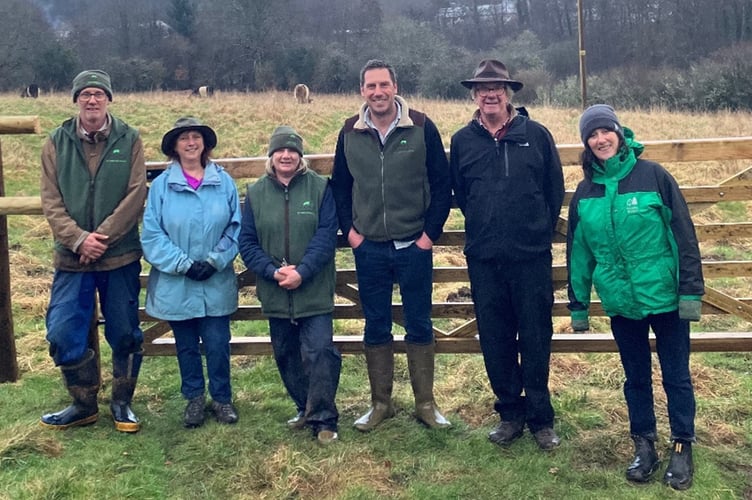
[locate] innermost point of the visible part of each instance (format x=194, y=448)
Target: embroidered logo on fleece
x=306, y=208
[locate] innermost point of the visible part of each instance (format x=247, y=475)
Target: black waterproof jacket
x=510, y=191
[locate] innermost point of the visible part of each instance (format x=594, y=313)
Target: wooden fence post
x=8, y=362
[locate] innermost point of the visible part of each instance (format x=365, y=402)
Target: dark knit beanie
x=92, y=78
x=598, y=116
x=285, y=137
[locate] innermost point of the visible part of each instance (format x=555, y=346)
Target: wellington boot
x=120, y=406
x=125, y=374
x=680, y=466
x=645, y=461
x=380, y=361
x=420, y=362
x=82, y=381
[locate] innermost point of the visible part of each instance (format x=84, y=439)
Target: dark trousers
x=513, y=302
x=309, y=365
x=72, y=305
x=378, y=266
x=673, y=347
x=214, y=333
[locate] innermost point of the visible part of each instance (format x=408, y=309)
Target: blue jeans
x=72, y=305
x=378, y=266
x=513, y=302
x=214, y=334
x=309, y=365
x=673, y=347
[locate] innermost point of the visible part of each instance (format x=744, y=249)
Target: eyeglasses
x=486, y=91
x=98, y=96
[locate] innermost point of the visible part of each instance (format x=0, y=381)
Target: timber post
x=8, y=361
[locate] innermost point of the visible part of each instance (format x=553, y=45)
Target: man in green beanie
x=93, y=189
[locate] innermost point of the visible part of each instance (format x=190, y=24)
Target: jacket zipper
x=290, y=305
x=383, y=190
x=506, y=154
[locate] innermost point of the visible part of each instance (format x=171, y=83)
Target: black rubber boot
x=380, y=361
x=680, y=466
x=420, y=363
x=82, y=381
x=645, y=461
x=124, y=376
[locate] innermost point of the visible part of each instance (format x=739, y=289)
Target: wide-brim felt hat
x=185, y=124
x=492, y=71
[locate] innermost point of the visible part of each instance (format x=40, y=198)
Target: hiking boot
x=546, y=438
x=224, y=412
x=194, y=412
x=506, y=432
x=680, y=466
x=645, y=461
x=298, y=421
x=327, y=436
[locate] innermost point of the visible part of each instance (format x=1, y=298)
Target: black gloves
x=200, y=270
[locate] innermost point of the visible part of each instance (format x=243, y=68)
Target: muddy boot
x=680, y=467
x=82, y=381
x=645, y=461
x=380, y=361
x=420, y=362
x=124, y=376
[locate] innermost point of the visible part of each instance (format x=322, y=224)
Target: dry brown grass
x=243, y=123
x=20, y=441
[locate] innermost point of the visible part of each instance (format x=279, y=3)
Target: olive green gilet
x=90, y=200
x=286, y=219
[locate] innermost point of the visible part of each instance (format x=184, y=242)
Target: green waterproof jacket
x=630, y=236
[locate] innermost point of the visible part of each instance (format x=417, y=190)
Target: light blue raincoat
x=182, y=225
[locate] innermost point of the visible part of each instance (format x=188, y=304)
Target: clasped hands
x=287, y=277
x=92, y=248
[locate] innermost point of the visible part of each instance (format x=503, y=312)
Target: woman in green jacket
x=288, y=238
x=631, y=237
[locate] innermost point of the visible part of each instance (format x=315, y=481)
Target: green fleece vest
x=89, y=201
x=391, y=192
x=286, y=220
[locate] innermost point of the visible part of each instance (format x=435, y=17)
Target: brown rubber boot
x=82, y=382
x=420, y=361
x=380, y=361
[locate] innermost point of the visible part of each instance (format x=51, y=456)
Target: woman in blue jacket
x=631, y=237
x=190, y=238
x=288, y=238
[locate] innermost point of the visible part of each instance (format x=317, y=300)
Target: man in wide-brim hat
x=492, y=71
x=508, y=182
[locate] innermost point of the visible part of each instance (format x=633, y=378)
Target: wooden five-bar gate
x=461, y=338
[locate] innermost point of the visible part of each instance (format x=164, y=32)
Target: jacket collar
x=176, y=179
x=404, y=121
x=621, y=164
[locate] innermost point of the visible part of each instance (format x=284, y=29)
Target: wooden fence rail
x=460, y=338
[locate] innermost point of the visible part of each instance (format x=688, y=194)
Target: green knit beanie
x=285, y=137
x=92, y=78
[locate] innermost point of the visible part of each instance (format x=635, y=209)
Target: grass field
x=259, y=457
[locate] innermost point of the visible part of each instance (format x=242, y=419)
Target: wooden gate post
x=8, y=362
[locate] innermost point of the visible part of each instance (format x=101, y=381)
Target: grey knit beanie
x=285, y=137
x=598, y=116
x=92, y=78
